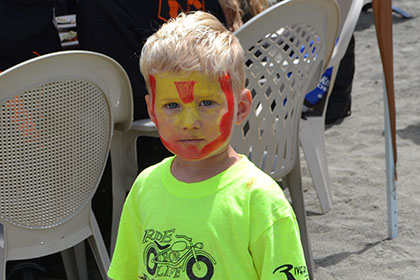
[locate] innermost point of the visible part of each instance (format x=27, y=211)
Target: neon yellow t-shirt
x=235, y=225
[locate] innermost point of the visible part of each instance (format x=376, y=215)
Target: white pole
x=391, y=184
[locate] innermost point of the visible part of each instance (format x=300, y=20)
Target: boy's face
x=193, y=113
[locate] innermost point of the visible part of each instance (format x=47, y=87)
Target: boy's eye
x=172, y=105
x=206, y=103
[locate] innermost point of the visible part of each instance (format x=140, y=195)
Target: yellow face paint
x=193, y=112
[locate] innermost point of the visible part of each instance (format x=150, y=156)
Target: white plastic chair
x=287, y=48
x=312, y=128
x=58, y=113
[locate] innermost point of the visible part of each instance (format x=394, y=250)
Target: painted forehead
x=187, y=86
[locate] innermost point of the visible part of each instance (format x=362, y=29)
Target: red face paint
x=185, y=90
x=152, y=82
x=225, y=124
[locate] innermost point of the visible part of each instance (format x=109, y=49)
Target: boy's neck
x=188, y=171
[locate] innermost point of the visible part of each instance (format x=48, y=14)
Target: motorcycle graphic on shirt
x=172, y=256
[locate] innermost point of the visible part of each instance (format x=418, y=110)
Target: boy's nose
x=190, y=119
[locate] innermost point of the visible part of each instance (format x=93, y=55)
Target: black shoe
x=338, y=118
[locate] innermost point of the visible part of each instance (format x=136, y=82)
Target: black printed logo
x=290, y=271
x=169, y=255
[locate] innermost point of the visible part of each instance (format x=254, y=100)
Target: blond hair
x=194, y=42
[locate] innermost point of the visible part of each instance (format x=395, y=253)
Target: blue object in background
x=321, y=89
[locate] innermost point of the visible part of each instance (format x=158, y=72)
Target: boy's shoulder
x=255, y=171
x=266, y=197
x=257, y=180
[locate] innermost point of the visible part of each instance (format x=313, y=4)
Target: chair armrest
x=124, y=150
x=144, y=127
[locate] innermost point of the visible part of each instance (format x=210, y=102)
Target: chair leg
x=81, y=262
x=311, y=137
x=2, y=267
x=124, y=171
x=294, y=183
x=98, y=248
x=118, y=198
x=74, y=260
x=2, y=254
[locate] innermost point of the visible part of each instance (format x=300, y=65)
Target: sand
x=351, y=240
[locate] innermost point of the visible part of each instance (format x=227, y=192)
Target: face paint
x=185, y=90
x=193, y=112
x=152, y=82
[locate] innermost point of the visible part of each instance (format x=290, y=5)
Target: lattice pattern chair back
x=350, y=12
x=285, y=55
x=58, y=113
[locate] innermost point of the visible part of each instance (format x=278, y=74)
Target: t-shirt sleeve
x=278, y=252
x=126, y=256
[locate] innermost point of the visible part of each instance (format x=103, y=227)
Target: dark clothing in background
x=339, y=103
x=26, y=30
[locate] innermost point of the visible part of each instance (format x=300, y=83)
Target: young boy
x=207, y=212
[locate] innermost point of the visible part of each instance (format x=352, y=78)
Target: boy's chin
x=191, y=155
x=197, y=155
x=194, y=153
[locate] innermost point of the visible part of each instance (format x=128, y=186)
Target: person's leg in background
x=339, y=103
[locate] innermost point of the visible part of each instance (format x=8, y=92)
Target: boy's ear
x=244, y=106
x=149, y=104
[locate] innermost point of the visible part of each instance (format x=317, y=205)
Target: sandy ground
x=351, y=240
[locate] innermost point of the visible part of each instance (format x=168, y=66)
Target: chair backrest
x=57, y=115
x=287, y=47
x=349, y=15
